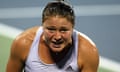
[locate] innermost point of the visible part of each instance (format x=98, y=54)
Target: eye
x=63, y=30
x=51, y=29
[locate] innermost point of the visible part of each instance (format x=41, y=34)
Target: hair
x=58, y=8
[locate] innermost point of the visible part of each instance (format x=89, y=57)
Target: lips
x=57, y=44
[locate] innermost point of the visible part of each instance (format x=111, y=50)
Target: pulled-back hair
x=58, y=8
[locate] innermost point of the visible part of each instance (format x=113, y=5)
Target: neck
x=58, y=56
x=61, y=58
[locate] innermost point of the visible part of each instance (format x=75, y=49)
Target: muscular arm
x=88, y=57
x=19, y=50
x=15, y=62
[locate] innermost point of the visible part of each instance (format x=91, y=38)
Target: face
x=57, y=33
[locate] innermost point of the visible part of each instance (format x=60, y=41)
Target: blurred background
x=98, y=19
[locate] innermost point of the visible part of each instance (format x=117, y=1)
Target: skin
x=57, y=29
x=56, y=36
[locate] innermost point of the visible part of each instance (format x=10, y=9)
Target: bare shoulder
x=19, y=50
x=86, y=43
x=22, y=43
x=88, y=56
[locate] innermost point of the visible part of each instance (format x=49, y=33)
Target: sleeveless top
x=35, y=64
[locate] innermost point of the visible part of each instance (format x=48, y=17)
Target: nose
x=57, y=36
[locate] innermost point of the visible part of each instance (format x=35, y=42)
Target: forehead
x=57, y=21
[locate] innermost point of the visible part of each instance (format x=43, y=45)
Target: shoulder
x=26, y=36
x=87, y=51
x=22, y=43
x=84, y=40
x=83, y=37
x=86, y=44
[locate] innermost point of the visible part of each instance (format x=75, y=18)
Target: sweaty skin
x=88, y=58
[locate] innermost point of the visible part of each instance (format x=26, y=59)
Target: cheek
x=68, y=36
x=47, y=35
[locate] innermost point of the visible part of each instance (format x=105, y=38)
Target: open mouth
x=57, y=44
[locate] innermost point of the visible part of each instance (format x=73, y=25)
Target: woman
x=55, y=46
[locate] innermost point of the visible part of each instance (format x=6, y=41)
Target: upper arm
x=90, y=61
x=20, y=49
x=88, y=57
x=15, y=63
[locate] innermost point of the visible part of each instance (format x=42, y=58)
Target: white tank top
x=35, y=64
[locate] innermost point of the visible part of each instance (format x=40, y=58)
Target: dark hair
x=58, y=8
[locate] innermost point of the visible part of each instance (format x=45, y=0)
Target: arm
x=88, y=57
x=20, y=49
x=15, y=62
x=90, y=61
